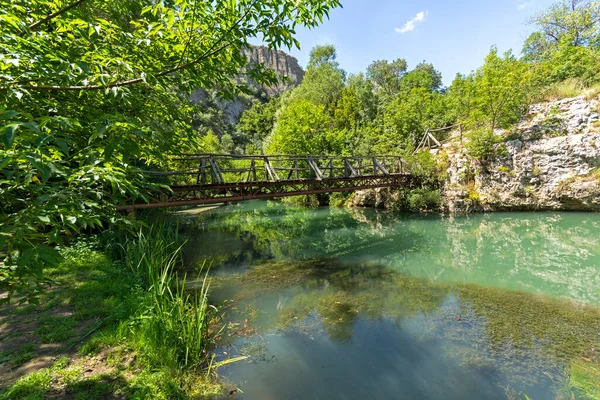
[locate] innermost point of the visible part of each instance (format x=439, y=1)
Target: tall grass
x=572, y=87
x=171, y=328
x=592, y=92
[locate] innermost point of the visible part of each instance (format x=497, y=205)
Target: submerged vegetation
x=529, y=339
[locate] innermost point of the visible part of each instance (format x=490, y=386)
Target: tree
x=408, y=117
x=577, y=21
x=366, y=94
x=386, y=76
x=255, y=125
x=91, y=90
x=347, y=111
x=566, y=43
x=324, y=79
x=322, y=55
x=582, y=63
x=460, y=98
x=500, y=90
x=537, y=47
x=423, y=76
x=302, y=128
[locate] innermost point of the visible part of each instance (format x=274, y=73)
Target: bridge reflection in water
x=220, y=178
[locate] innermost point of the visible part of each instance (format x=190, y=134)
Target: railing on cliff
x=429, y=141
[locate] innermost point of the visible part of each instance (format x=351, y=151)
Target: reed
x=171, y=328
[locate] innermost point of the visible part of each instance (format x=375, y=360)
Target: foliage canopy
x=92, y=91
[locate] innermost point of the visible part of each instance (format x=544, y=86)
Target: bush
x=482, y=144
x=423, y=165
x=424, y=199
x=338, y=199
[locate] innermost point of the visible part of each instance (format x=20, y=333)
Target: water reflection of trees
x=547, y=253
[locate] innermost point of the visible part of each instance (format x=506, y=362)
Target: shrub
x=423, y=165
x=442, y=165
x=474, y=196
x=338, y=199
x=482, y=143
x=424, y=199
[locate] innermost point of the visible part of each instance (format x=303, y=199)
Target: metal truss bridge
x=220, y=178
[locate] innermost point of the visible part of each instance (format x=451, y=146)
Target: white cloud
x=412, y=24
x=523, y=6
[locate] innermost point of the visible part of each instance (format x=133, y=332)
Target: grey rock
x=546, y=173
x=286, y=67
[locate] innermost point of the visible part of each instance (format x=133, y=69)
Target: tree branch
x=190, y=37
x=209, y=52
x=36, y=24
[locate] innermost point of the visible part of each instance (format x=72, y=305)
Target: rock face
x=551, y=163
x=286, y=67
x=373, y=198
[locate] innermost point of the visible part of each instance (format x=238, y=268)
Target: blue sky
x=453, y=35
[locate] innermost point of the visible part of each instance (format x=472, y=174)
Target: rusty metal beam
x=216, y=200
x=238, y=180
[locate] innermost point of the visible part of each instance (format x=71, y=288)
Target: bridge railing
x=215, y=169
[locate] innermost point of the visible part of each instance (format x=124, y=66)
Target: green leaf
x=48, y=255
x=4, y=161
x=8, y=137
x=8, y=114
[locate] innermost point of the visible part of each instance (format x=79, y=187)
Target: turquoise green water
x=334, y=303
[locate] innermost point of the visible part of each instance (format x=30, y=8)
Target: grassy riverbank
x=113, y=322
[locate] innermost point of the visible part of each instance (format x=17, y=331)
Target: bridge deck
x=208, y=178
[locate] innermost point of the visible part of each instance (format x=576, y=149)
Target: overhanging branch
x=213, y=49
x=36, y=24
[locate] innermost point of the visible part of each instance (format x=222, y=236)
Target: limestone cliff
x=551, y=162
x=286, y=67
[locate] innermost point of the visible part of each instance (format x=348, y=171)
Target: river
x=355, y=304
